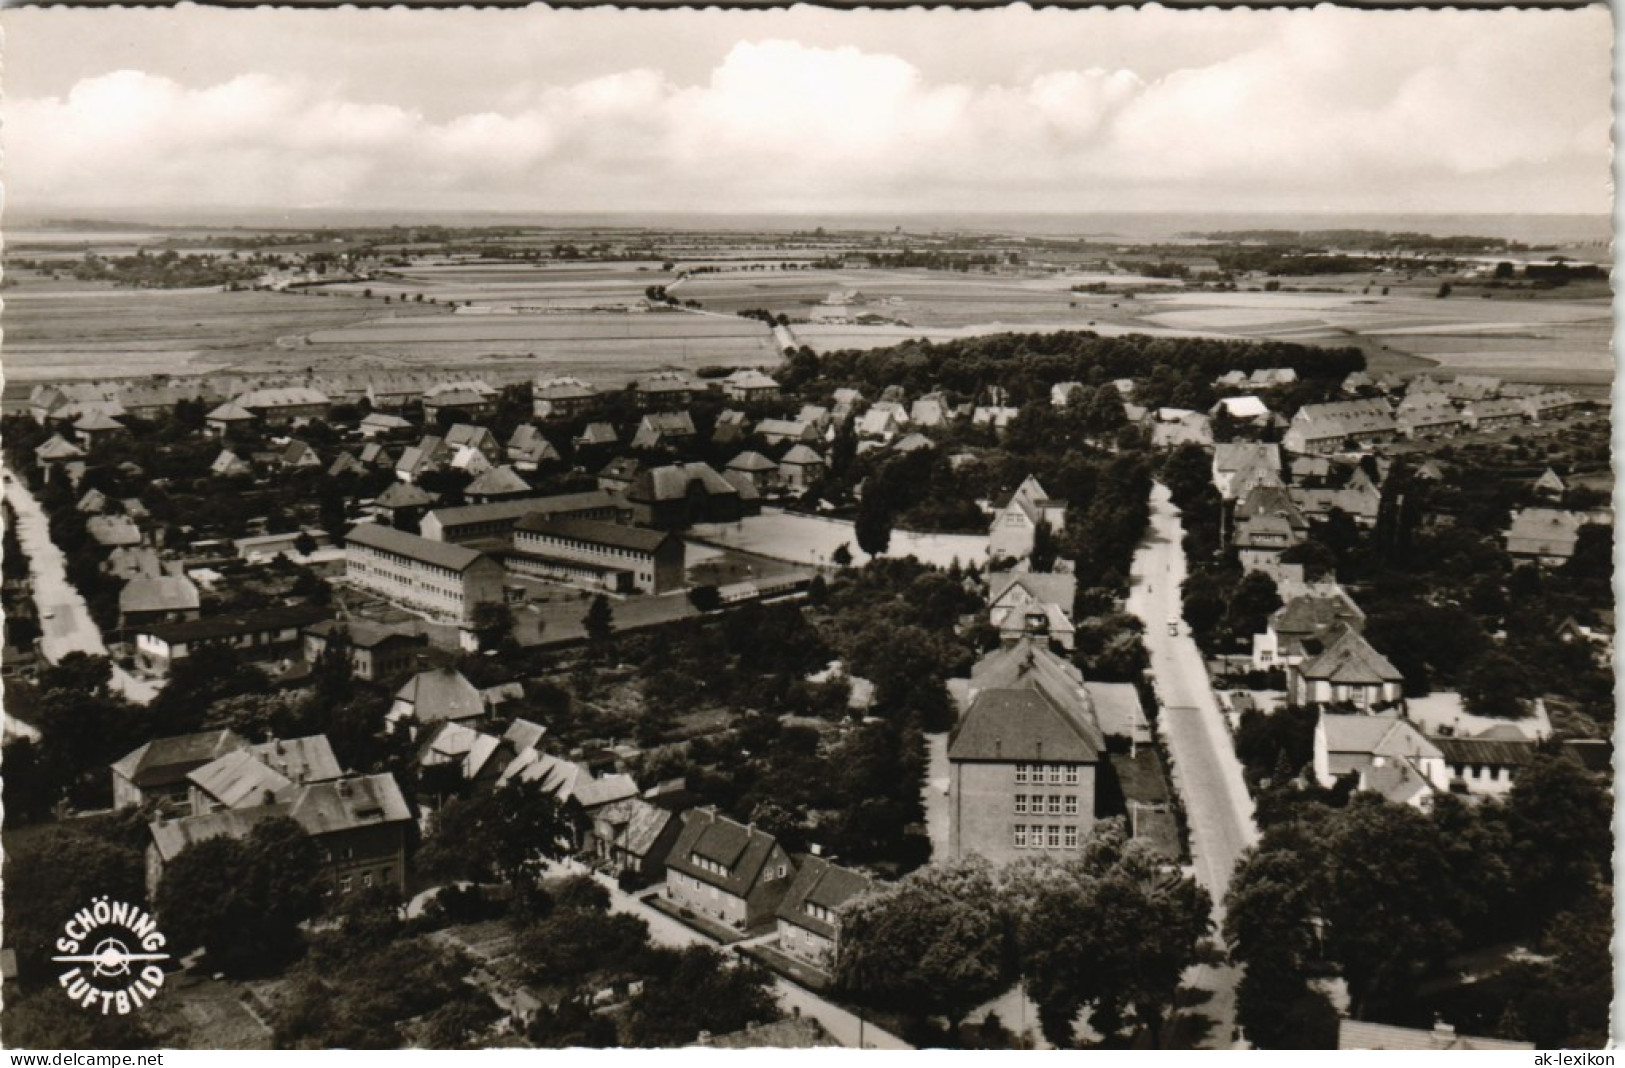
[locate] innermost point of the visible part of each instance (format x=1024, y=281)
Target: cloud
x=1325, y=113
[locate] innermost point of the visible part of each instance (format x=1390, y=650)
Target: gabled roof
x=282, y=397
x=749, y=461
x=1544, y=532
x=57, y=447
x=425, y=550
x=166, y=761
x=461, y=434
x=800, y=456
x=230, y=412
x=497, y=481
x=454, y=398
x=384, y=421
x=1045, y=588
x=307, y=759
x=524, y=734
x=170, y=837
x=1502, y=752
x=440, y=694
x=239, y=780
x=1021, y=725
x=454, y=743
x=235, y=624
x=671, y=482
x=1310, y=613
x=1348, y=659
x=637, y=539
x=1235, y=456
x=633, y=824
x=783, y=428
x=349, y=804
x=597, y=434
x=621, y=469
x=1380, y=734
x=829, y=886
x=743, y=852
x=364, y=634
x=97, y=420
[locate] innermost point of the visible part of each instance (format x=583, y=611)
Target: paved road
x=843, y=1025
x=65, y=621
x=1206, y=770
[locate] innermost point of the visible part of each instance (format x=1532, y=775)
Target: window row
x=1053, y=773
x=1054, y=804
x=1038, y=836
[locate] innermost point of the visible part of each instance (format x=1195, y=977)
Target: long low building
x=265, y=634
x=476, y=522
x=605, y=555
x=446, y=582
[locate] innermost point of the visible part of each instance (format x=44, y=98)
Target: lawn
x=805, y=539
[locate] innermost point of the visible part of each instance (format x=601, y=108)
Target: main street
x=1218, y=809
x=65, y=623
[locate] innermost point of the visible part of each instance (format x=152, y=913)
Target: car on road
x=49, y=613
x=1173, y=630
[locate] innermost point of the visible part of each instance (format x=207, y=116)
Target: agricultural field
x=67, y=330
x=516, y=285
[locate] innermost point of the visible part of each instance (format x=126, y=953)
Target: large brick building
x=597, y=554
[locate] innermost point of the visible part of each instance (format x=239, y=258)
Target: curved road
x=1206, y=772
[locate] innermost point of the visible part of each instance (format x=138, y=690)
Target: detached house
x=1238, y=467
x=664, y=430
x=1024, y=602
x=1386, y=753
x=1015, y=526
x=561, y=398
x=633, y=838
x=1340, y=667
x=528, y=449
x=802, y=468
x=726, y=870
x=810, y=915
x=748, y=385
x=156, y=772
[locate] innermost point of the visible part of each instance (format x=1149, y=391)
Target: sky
x=1005, y=110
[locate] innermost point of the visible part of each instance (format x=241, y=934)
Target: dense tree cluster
x=1101, y=939
x=1383, y=895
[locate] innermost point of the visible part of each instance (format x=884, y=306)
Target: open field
x=516, y=284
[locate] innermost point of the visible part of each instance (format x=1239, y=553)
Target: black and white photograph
x=992, y=529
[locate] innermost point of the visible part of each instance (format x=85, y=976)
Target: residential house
x=1551, y=405
x=228, y=416
x=561, y=398
x=776, y=432
x=346, y=463
x=1239, y=466
x=996, y=416
x=810, y=914
x=680, y=495
x=731, y=428
x=1014, y=528
x=1473, y=388
x=1301, y=618
x=761, y=473
x=163, y=599
x=1550, y=486
x=284, y=405
x=883, y=421
x=594, y=436
x=418, y=460
x=377, y=651
x=498, y=484
x=1060, y=394
x=438, y=695
x=1547, y=535
x=815, y=415
x=1494, y=414
x=154, y=773
x=597, y=554
x=54, y=452
x=382, y=424
x=477, y=758
x=1330, y=427
x=846, y=403
x=664, y=430
x=1340, y=667
x=749, y=385
x=1386, y=754
x=666, y=391
x=111, y=531
x=801, y=468
x=360, y=824
x=470, y=436
x=1030, y=603
x=618, y=475
x=1172, y=427
x=1266, y=524
x=528, y=449
x=632, y=838
x=257, y=635
x=480, y=523
x=402, y=503
x=931, y=411
x=1428, y=415
x=447, y=582
x=912, y=442
x=1488, y=764
x=1246, y=409
x=242, y=778
x=1359, y=499
x=97, y=428
x=728, y=871
x=296, y=454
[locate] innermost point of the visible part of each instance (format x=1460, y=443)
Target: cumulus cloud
x=1303, y=117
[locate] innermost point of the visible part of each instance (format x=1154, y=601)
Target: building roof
x=671, y=482
x=168, y=593
x=818, y=882
x=1043, y=587
x=1010, y=725
x=1378, y=734
x=1357, y=1034
x=349, y=803
x=801, y=455
x=741, y=851
x=750, y=461
x=239, y=780
x=1308, y=614
x=384, y=421
x=170, y=837
x=1236, y=456
x=524, y=734
x=1481, y=750
x=497, y=481
x=563, y=388
x=282, y=397
x=558, y=503
x=1348, y=659
x=454, y=398
x=750, y=378
x=637, y=539
x=440, y=694
x=426, y=550
x=633, y=824
x=113, y=530
x=405, y=495
x=166, y=761
x=597, y=434
x=57, y=447
x=784, y=428
x=621, y=469
x=1544, y=532
x=1118, y=710
x=211, y=628
x=454, y=743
